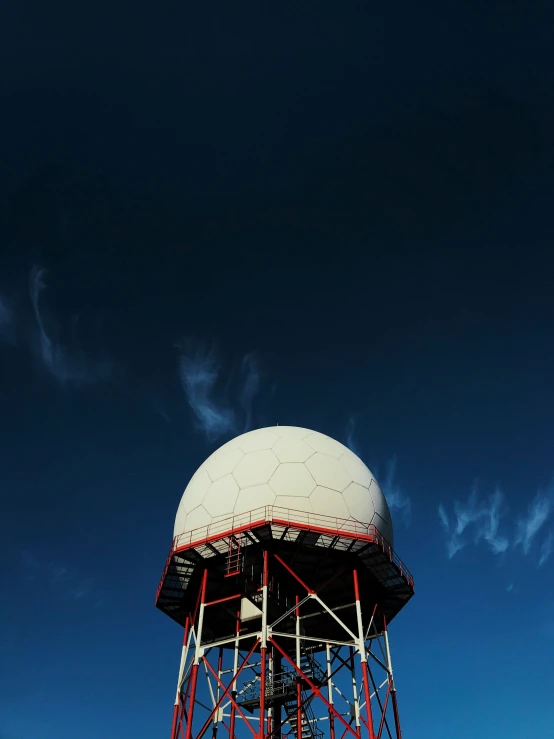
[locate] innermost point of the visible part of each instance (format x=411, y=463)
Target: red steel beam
x=226, y=692
x=314, y=688
x=293, y=573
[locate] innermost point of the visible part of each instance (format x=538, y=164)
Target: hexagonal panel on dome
x=291, y=467
x=253, y=497
x=359, y=502
x=383, y=527
x=197, y=518
x=293, y=503
x=329, y=502
x=292, y=479
x=381, y=505
x=291, y=432
x=291, y=449
x=255, y=468
x=328, y=472
x=223, y=462
x=180, y=521
x=356, y=469
x=196, y=490
x=221, y=496
x=257, y=440
x=325, y=445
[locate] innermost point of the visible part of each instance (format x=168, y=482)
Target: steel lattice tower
x=285, y=615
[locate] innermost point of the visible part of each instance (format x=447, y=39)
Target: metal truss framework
x=266, y=683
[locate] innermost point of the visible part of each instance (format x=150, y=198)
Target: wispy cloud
x=350, y=440
x=481, y=521
x=66, y=365
x=397, y=500
x=70, y=583
x=454, y=542
x=395, y=496
x=546, y=548
x=480, y=518
x=489, y=530
x=200, y=372
x=529, y=526
x=251, y=386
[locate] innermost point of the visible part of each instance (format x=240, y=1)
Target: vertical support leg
x=363, y=657
x=277, y=710
x=218, y=691
x=298, y=709
x=197, y=655
x=298, y=684
x=330, y=692
x=263, y=647
x=176, y=705
x=271, y=673
x=233, y=686
x=391, y=684
x=396, y=714
x=355, y=697
x=263, y=651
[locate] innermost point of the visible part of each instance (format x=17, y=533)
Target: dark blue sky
x=220, y=216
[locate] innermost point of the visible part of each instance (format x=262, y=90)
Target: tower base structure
x=285, y=619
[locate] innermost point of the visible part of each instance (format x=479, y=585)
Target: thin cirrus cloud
x=351, y=442
x=529, y=526
x=70, y=584
x=397, y=500
x=478, y=520
x=200, y=372
x=546, y=548
x=68, y=366
x=474, y=520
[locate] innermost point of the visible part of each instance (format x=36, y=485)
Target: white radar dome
x=286, y=467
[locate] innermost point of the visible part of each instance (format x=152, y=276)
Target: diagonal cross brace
x=314, y=688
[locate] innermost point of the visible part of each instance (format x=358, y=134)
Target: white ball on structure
x=289, y=468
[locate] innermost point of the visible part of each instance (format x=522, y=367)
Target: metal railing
x=316, y=522
x=280, y=684
x=273, y=513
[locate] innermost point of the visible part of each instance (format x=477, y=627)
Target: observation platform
x=314, y=552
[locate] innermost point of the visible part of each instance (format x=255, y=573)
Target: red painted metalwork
x=293, y=573
x=396, y=714
x=369, y=722
x=331, y=725
x=383, y=714
x=234, y=687
x=233, y=557
x=223, y=600
x=314, y=688
x=295, y=671
x=192, y=696
x=299, y=704
x=270, y=515
x=225, y=693
x=394, y=699
x=365, y=678
x=176, y=707
x=194, y=673
x=174, y=722
x=263, y=650
x=298, y=683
